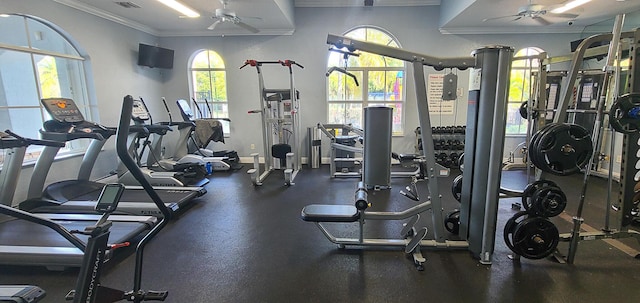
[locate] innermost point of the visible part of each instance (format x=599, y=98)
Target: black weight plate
x=564, y=150
x=530, y=189
x=523, y=110
x=533, y=146
x=535, y=237
x=509, y=228
x=548, y=201
x=456, y=188
x=452, y=222
x=621, y=117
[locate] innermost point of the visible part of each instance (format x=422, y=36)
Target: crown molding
x=510, y=30
x=231, y=32
x=108, y=16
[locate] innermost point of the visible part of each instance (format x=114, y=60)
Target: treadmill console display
x=63, y=110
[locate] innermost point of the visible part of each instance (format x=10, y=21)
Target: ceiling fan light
x=183, y=9
x=569, y=5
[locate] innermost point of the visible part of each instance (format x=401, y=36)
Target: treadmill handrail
x=19, y=141
x=23, y=215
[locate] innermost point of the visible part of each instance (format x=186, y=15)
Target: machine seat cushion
x=280, y=151
x=330, y=213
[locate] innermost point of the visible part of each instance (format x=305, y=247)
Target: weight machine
x=483, y=159
x=279, y=111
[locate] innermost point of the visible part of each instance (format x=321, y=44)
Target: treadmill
x=168, y=174
x=80, y=195
x=45, y=239
x=21, y=294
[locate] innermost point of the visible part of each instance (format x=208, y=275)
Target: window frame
x=531, y=63
x=200, y=103
x=84, y=94
x=364, y=101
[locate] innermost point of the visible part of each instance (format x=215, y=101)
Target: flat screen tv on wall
x=153, y=56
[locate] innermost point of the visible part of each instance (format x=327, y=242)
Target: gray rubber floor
x=241, y=243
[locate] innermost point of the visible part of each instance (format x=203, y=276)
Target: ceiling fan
x=536, y=12
x=227, y=15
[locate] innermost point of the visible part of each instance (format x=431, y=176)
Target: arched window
x=523, y=70
x=39, y=60
x=208, y=86
x=381, y=82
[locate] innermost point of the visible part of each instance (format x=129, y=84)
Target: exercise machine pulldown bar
x=483, y=159
x=281, y=138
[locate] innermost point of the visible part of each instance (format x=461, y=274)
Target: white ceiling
x=276, y=17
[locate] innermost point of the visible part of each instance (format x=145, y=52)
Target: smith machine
x=489, y=78
x=561, y=148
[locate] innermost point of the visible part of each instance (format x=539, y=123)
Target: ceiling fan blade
x=247, y=27
x=541, y=20
x=568, y=16
x=213, y=26
x=517, y=18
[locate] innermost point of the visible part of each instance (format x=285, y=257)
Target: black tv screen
x=153, y=56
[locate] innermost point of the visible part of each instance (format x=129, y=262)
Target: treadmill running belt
x=18, y=234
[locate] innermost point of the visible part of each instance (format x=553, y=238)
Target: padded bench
x=330, y=213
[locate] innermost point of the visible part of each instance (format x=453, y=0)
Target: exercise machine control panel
x=63, y=110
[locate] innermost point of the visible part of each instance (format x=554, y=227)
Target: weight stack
x=484, y=144
x=376, y=169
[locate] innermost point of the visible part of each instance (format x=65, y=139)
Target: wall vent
x=127, y=4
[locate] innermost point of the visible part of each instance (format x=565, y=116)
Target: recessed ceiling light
x=187, y=11
x=569, y=5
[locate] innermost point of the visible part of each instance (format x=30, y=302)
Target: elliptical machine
x=88, y=288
